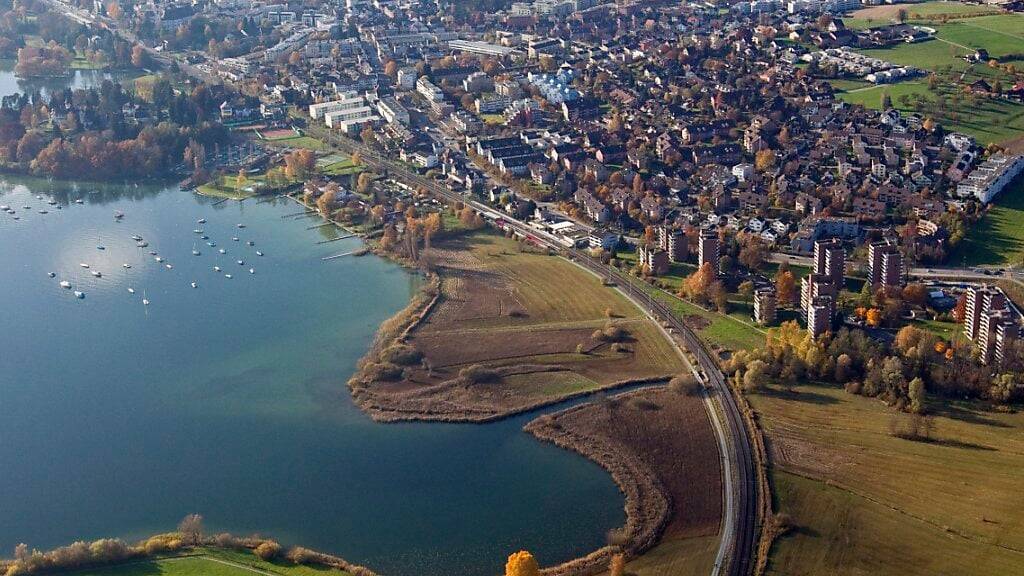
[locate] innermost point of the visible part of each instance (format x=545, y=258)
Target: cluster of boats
x=140, y=242
x=14, y=213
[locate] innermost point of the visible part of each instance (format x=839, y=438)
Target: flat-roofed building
x=765, y=304
x=708, y=248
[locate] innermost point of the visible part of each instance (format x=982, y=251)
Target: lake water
x=11, y=84
x=117, y=419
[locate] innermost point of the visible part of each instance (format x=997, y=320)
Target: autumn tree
x=140, y=59
x=755, y=376
x=324, y=203
x=785, y=287
x=364, y=182
x=617, y=567
x=697, y=285
x=522, y=563
x=753, y=253
x=191, y=529
x=764, y=160
x=916, y=394
x=432, y=224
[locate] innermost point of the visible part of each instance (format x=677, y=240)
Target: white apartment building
x=347, y=102
x=989, y=179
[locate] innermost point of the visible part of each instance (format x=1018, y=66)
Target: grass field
x=210, y=562
x=341, y=168
x=298, y=142
x=1002, y=35
x=990, y=121
x=228, y=187
x=998, y=238
x=865, y=502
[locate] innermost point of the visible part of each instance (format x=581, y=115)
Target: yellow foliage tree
x=874, y=317
x=522, y=563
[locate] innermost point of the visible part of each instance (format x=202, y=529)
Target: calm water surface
x=230, y=399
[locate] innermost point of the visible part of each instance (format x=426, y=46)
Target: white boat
x=216, y=268
x=228, y=276
x=195, y=252
x=211, y=244
x=252, y=271
x=83, y=265
x=204, y=237
x=78, y=201
x=137, y=238
x=52, y=274
x=194, y=285
x=97, y=273
x=118, y=215
x=145, y=302
x=251, y=243
x=142, y=244
x=158, y=259
x=241, y=225
x=5, y=207
x=258, y=253
x=43, y=212
x=201, y=221
x=234, y=239
x=131, y=290
x=241, y=262
x=26, y=207
x=101, y=247
x=198, y=231
x=38, y=197
x=152, y=252
x=52, y=202
x=126, y=265
x=169, y=267
x=223, y=251
x=65, y=284
x=79, y=295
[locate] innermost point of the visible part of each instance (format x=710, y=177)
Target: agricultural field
x=998, y=238
x=210, y=562
x=530, y=327
x=862, y=500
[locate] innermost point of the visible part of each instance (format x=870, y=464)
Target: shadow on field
x=970, y=417
x=799, y=396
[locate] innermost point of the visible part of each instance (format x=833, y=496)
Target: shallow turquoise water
x=117, y=419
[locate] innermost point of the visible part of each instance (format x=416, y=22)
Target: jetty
x=343, y=237
x=342, y=255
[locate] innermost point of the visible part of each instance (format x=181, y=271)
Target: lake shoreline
x=647, y=504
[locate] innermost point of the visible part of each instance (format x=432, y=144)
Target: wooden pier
x=344, y=237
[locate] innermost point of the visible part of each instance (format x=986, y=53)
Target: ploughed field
x=510, y=329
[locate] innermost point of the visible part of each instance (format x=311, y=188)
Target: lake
x=229, y=399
